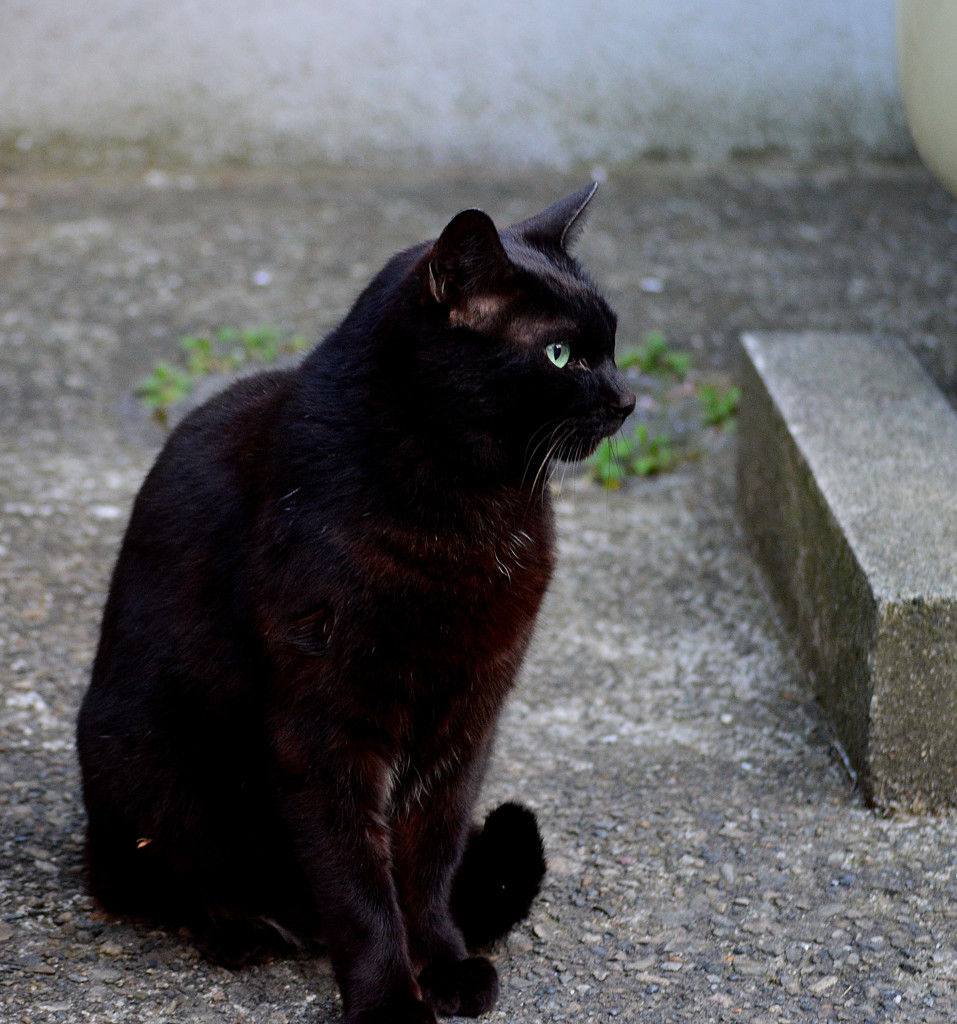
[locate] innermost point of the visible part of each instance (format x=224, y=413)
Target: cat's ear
x=467, y=259
x=559, y=226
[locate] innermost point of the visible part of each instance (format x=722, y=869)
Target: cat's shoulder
x=223, y=434
x=247, y=396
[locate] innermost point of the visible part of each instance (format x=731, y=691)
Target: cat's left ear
x=468, y=258
x=558, y=226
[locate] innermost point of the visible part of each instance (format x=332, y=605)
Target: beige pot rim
x=927, y=65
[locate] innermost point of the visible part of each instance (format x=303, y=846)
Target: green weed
x=638, y=454
x=223, y=352
x=719, y=406
x=652, y=454
x=165, y=386
x=644, y=452
x=656, y=356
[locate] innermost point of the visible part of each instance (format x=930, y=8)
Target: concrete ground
x=710, y=858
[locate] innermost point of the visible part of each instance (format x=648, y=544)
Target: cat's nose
x=623, y=404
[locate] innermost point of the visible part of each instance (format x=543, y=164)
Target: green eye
x=559, y=352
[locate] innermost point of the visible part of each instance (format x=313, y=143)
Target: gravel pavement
x=710, y=857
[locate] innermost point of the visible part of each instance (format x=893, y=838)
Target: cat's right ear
x=467, y=259
x=559, y=226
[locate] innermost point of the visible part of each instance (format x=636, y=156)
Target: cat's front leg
x=429, y=837
x=337, y=819
x=399, y=1009
x=345, y=852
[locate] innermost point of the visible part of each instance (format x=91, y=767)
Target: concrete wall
x=508, y=81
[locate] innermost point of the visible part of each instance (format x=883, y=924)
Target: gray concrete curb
x=847, y=479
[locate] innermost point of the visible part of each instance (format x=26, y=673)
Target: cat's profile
x=325, y=591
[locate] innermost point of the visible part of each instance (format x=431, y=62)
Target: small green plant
x=655, y=355
x=643, y=453
x=652, y=454
x=223, y=352
x=165, y=386
x=640, y=454
x=200, y=358
x=608, y=466
x=719, y=406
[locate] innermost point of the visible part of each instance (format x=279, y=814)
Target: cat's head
x=536, y=338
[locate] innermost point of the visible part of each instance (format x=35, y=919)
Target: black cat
x=325, y=591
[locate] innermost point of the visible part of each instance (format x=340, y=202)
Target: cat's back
x=188, y=531
x=222, y=434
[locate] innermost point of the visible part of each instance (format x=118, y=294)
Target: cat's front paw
x=404, y=1009
x=467, y=988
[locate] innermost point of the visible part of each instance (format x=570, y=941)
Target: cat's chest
x=467, y=564
x=415, y=606
x=459, y=595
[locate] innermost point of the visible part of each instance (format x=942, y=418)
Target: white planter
x=927, y=62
